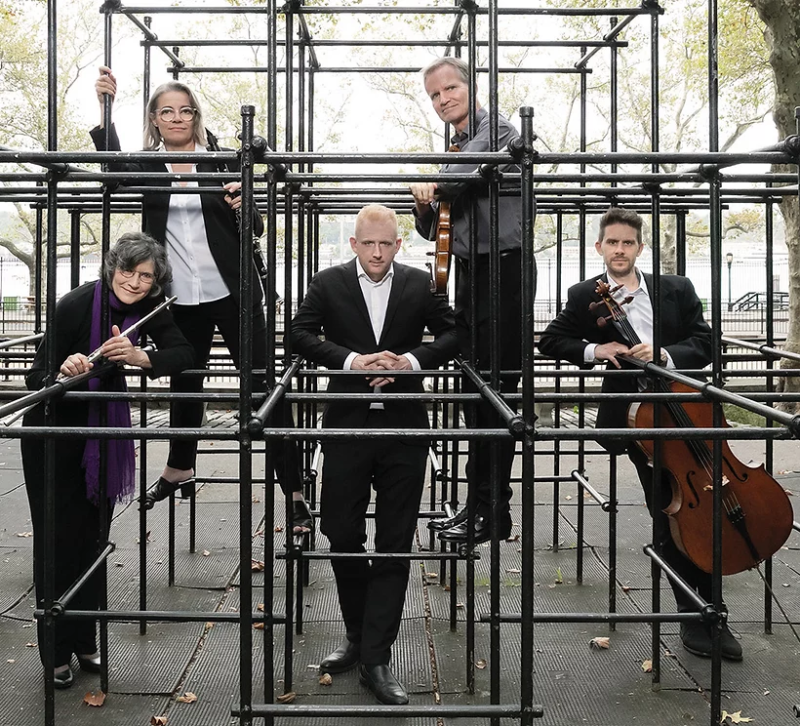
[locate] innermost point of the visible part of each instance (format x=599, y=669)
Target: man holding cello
x=686, y=340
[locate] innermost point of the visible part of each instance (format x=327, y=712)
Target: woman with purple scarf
x=135, y=272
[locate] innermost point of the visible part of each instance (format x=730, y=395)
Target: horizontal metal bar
x=164, y=616
x=596, y=617
x=765, y=349
x=397, y=712
x=60, y=605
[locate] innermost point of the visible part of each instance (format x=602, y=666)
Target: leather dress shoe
x=384, y=686
x=302, y=516
x=437, y=525
x=342, y=659
x=91, y=663
x=696, y=638
x=481, y=529
x=63, y=679
x=163, y=488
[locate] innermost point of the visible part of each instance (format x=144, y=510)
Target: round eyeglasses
x=184, y=113
x=146, y=278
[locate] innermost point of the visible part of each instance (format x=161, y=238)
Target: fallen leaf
x=735, y=717
x=287, y=697
x=459, y=605
x=325, y=679
x=119, y=564
x=187, y=697
x=647, y=666
x=480, y=664
x=626, y=588
x=513, y=571
x=256, y=500
x=24, y=534
x=313, y=666
x=513, y=538
x=789, y=492
x=258, y=626
x=278, y=529
x=256, y=565
x=209, y=625
x=31, y=645
x=158, y=720
x=206, y=553
x=766, y=693
x=260, y=607
x=95, y=699
x=11, y=660
x=447, y=588
x=568, y=497
x=600, y=643
x=432, y=575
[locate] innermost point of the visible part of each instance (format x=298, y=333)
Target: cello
x=757, y=514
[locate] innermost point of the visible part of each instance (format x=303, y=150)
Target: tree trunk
x=782, y=20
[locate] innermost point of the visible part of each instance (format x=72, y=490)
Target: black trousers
x=510, y=327
x=372, y=594
x=77, y=542
x=197, y=323
x=693, y=575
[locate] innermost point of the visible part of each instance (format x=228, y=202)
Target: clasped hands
x=383, y=361
x=642, y=351
x=118, y=349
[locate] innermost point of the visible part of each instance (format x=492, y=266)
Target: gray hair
x=133, y=248
x=152, y=137
x=460, y=65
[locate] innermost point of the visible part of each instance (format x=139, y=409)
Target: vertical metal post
x=245, y=443
x=74, y=248
x=770, y=363
x=528, y=414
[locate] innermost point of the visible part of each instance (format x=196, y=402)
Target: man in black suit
x=373, y=313
x=686, y=342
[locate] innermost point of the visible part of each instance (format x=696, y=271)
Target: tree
x=23, y=104
x=782, y=33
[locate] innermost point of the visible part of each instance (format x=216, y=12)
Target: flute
x=17, y=409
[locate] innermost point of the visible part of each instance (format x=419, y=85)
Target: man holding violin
x=447, y=85
x=686, y=340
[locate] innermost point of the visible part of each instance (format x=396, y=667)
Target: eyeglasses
x=184, y=113
x=146, y=278
x=370, y=245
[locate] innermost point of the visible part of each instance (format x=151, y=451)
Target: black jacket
x=219, y=218
x=684, y=334
x=334, y=306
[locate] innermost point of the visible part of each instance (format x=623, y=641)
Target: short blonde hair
x=152, y=137
x=374, y=213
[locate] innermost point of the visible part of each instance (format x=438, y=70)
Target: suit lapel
x=354, y=291
x=398, y=285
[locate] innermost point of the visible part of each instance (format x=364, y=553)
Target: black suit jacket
x=220, y=220
x=684, y=334
x=334, y=306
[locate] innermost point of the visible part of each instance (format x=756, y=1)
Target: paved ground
x=575, y=684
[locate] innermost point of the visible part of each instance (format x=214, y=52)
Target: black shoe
x=342, y=659
x=64, y=679
x=437, y=525
x=163, y=488
x=302, y=516
x=384, y=686
x=696, y=638
x=92, y=664
x=480, y=528
x=187, y=488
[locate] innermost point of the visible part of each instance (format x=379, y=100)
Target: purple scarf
x=120, y=456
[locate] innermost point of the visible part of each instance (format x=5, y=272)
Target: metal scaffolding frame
x=290, y=190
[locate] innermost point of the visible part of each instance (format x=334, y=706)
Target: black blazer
x=684, y=334
x=219, y=218
x=334, y=306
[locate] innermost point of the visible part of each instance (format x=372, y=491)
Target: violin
x=440, y=267
x=442, y=255
x=757, y=514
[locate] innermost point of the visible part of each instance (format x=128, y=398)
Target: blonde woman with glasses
x=201, y=235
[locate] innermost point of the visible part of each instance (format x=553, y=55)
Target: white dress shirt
x=195, y=276
x=639, y=313
x=376, y=296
